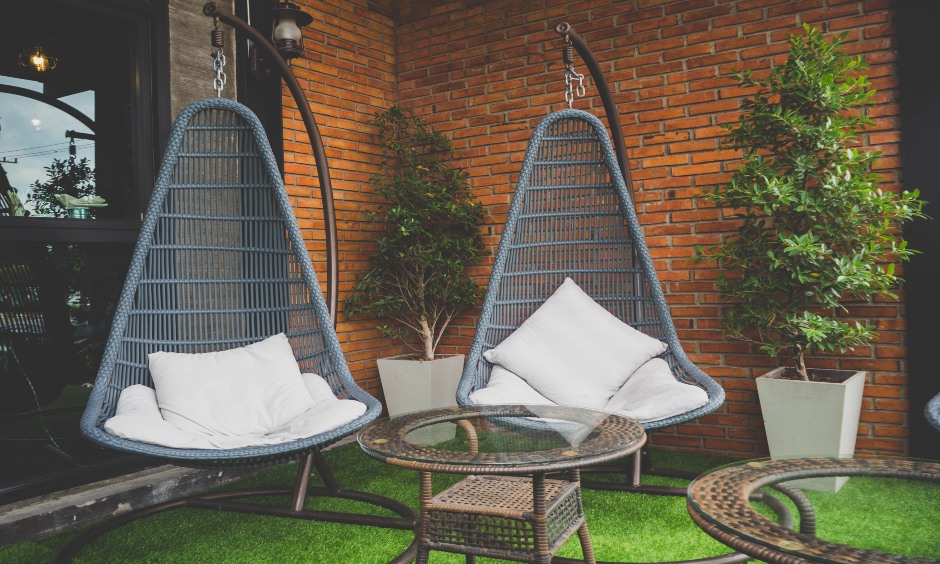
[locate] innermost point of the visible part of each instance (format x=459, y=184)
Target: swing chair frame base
x=223, y=501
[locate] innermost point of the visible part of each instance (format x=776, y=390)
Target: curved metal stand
x=221, y=502
x=613, y=115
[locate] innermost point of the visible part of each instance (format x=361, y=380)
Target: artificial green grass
x=900, y=517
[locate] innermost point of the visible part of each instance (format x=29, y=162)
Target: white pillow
x=249, y=390
x=653, y=393
x=573, y=351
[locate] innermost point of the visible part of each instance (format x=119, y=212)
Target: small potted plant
x=816, y=231
x=418, y=277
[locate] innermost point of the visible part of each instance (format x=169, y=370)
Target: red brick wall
x=485, y=72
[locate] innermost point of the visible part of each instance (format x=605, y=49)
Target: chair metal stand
x=225, y=501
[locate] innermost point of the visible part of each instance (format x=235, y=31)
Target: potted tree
x=816, y=231
x=418, y=276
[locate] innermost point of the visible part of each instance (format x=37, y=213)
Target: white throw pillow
x=653, y=393
x=249, y=390
x=138, y=419
x=573, y=351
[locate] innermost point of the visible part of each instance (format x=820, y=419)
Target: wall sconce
x=286, y=35
x=38, y=60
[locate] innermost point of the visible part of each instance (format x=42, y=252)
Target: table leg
x=472, y=442
x=587, y=548
x=539, y=519
x=423, y=533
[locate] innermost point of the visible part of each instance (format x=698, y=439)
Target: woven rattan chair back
x=571, y=217
x=220, y=263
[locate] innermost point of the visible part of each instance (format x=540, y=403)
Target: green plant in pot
x=816, y=231
x=417, y=278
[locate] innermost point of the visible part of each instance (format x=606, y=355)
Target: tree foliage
x=73, y=177
x=418, y=275
x=816, y=229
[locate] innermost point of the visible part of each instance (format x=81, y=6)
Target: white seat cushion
x=250, y=390
x=650, y=394
x=653, y=393
x=573, y=351
x=138, y=419
x=506, y=388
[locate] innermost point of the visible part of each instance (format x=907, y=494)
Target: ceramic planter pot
x=812, y=418
x=414, y=385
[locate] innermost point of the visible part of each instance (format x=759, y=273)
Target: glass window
x=81, y=113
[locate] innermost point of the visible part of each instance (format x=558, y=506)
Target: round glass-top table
x=718, y=502
x=506, y=508
x=510, y=439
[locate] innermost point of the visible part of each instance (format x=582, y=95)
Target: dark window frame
x=151, y=119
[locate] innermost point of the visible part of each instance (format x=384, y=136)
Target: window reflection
x=56, y=304
x=47, y=151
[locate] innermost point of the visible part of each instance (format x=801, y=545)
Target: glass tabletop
x=502, y=439
x=891, y=489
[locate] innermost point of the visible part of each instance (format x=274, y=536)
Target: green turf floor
x=899, y=517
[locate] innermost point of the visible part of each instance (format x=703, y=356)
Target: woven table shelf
x=493, y=516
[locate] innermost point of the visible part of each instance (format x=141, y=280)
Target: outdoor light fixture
x=286, y=35
x=37, y=59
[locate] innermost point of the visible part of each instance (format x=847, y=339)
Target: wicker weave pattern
x=220, y=263
x=718, y=502
x=571, y=217
x=492, y=515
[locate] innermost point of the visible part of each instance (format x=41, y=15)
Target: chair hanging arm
x=211, y=9
x=613, y=116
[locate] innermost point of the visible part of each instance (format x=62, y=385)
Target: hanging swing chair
x=572, y=217
x=220, y=265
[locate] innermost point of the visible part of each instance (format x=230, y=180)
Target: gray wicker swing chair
x=221, y=263
x=572, y=215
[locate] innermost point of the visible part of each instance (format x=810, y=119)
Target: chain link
x=572, y=91
x=218, y=60
x=218, y=64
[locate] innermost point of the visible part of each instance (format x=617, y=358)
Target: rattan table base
x=718, y=502
x=494, y=516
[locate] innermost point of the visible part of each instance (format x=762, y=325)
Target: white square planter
x=812, y=419
x=415, y=385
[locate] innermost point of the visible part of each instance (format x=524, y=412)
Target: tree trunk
x=800, y=363
x=427, y=339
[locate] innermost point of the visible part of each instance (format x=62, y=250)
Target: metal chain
x=218, y=60
x=570, y=89
x=570, y=74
